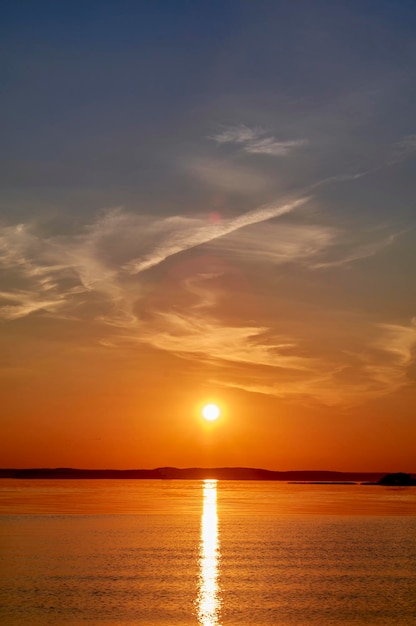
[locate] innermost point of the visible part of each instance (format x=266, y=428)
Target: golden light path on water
x=208, y=594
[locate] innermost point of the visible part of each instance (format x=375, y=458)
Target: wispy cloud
x=398, y=341
x=395, y=154
x=50, y=272
x=277, y=243
x=179, y=234
x=238, y=134
x=336, y=365
x=376, y=369
x=257, y=141
x=23, y=303
x=101, y=272
x=29, y=261
x=346, y=254
x=205, y=337
x=197, y=329
x=269, y=145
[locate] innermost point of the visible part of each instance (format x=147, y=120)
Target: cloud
x=397, y=153
x=351, y=252
x=257, y=141
x=202, y=313
x=26, y=302
x=268, y=145
x=47, y=272
x=398, y=342
x=238, y=134
x=180, y=233
x=277, y=243
x=197, y=327
x=28, y=262
x=187, y=334
x=334, y=365
x=376, y=369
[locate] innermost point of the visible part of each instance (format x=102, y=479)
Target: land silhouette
x=399, y=479
x=219, y=473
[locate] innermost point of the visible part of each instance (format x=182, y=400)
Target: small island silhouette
x=219, y=473
x=399, y=479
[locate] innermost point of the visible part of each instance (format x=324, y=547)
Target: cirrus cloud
x=257, y=141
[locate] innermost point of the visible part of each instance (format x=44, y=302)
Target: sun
x=211, y=412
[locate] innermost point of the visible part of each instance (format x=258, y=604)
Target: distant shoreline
x=197, y=473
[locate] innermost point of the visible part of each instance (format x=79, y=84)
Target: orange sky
x=72, y=401
x=227, y=217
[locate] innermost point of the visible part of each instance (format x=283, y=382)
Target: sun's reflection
x=208, y=593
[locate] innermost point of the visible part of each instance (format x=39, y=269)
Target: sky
x=208, y=202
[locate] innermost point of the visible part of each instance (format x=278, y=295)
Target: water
x=207, y=553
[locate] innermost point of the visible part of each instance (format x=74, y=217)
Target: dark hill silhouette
x=399, y=479
x=196, y=473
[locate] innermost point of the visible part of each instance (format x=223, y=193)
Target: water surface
x=206, y=553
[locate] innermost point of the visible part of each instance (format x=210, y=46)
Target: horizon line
x=192, y=468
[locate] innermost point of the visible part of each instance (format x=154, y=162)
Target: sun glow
x=211, y=412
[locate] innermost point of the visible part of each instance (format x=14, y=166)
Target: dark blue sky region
x=107, y=94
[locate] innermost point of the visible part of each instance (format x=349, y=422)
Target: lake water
x=206, y=553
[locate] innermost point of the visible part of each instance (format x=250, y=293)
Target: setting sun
x=211, y=412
